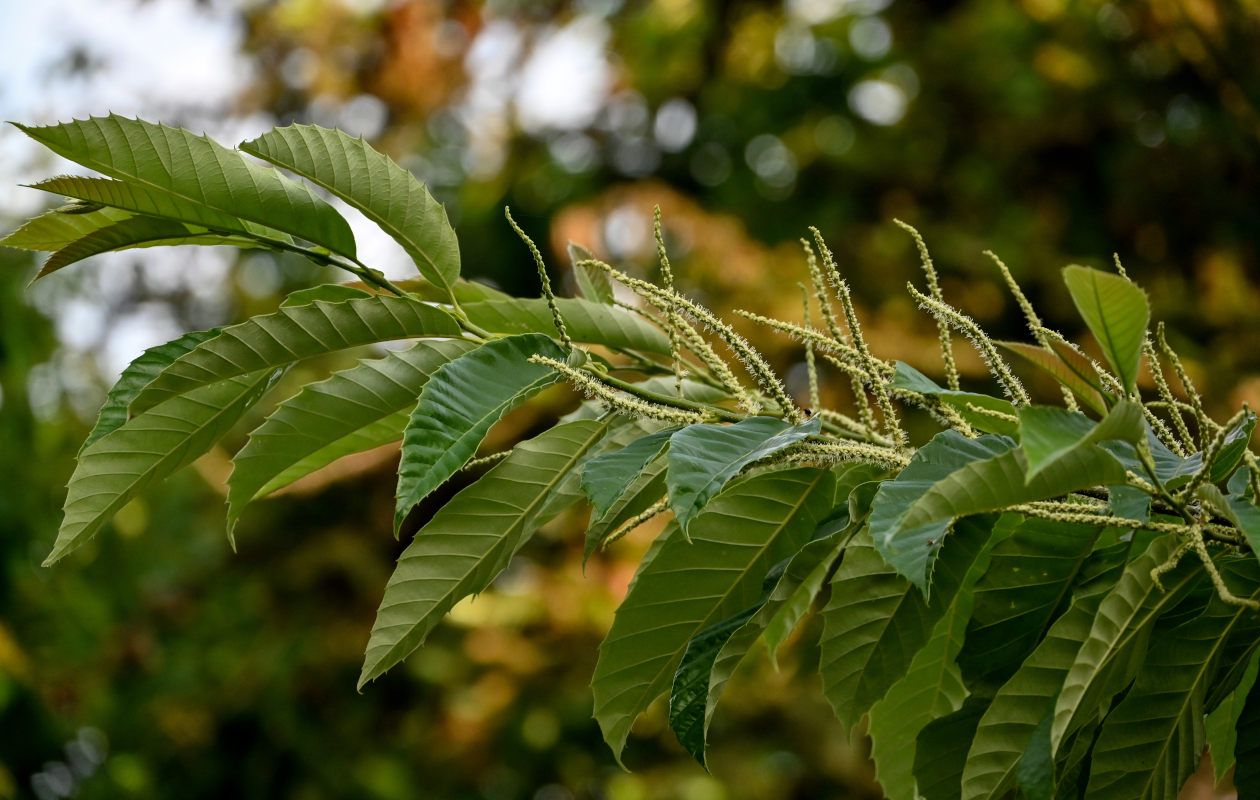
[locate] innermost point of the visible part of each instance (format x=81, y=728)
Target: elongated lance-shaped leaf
x=636, y=498
x=135, y=232
x=143, y=200
x=1117, y=313
x=952, y=476
x=459, y=404
x=939, y=758
x=1029, y=582
x=702, y=458
x=1009, y=727
x=907, y=377
x=592, y=282
x=138, y=374
x=354, y=410
x=714, y=653
x=1152, y=740
x=117, y=466
x=753, y=525
x=295, y=333
x=196, y=172
x=585, y=320
x=1233, y=449
x=873, y=624
x=370, y=181
x=932, y=687
x=59, y=227
x=1067, y=366
x=605, y=478
x=473, y=538
x=1111, y=654
x=1047, y=433
x=854, y=492
x=1221, y=725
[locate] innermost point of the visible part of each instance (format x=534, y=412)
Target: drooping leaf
x=146, y=448
x=354, y=410
x=1008, y=729
x=605, y=478
x=713, y=654
x=1047, y=433
x=1111, y=654
x=1221, y=725
x=754, y=524
x=938, y=757
x=593, y=283
x=138, y=374
x=473, y=538
x=702, y=458
x=932, y=687
x=175, y=168
x=59, y=227
x=907, y=377
x=136, y=232
x=1029, y=583
x=1247, y=746
x=873, y=624
x=1152, y=740
x=637, y=497
x=1066, y=365
x=952, y=476
x=1117, y=313
x=585, y=320
x=371, y=182
x=459, y=404
x=295, y=333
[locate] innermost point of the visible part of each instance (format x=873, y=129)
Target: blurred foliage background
x=157, y=663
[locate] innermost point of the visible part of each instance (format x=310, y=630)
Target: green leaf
x=1111, y=654
x=1007, y=733
x=593, y=283
x=1243, y=513
x=1029, y=583
x=938, y=758
x=354, y=410
x=932, y=687
x=873, y=624
x=586, y=322
x=952, y=476
x=136, y=232
x=329, y=292
x=473, y=537
x=138, y=374
x=57, y=228
x=1237, y=439
x=605, y=478
x=295, y=333
x=1117, y=313
x=459, y=404
x=192, y=178
x=635, y=498
x=1128, y=502
x=1152, y=740
x=114, y=468
x=702, y=458
x=713, y=654
x=1066, y=365
x=371, y=182
x=1047, y=433
x=756, y=523
x=1221, y=725
x=909, y=378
